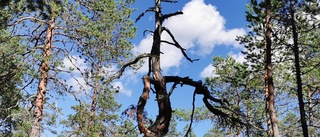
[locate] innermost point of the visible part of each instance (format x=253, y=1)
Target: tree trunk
x=43, y=80
x=269, y=89
x=93, y=103
x=161, y=125
x=298, y=72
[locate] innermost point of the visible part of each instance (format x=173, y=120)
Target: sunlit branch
x=141, y=104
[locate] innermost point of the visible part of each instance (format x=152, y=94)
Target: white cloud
x=200, y=28
x=239, y=57
x=72, y=62
x=202, y=25
x=118, y=85
x=208, y=71
x=76, y=80
x=79, y=85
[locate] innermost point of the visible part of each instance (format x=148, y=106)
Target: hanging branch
x=192, y=113
x=176, y=44
x=172, y=88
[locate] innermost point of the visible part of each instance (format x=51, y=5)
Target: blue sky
x=206, y=29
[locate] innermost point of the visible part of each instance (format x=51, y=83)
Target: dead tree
x=160, y=126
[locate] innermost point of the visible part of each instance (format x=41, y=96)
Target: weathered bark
x=161, y=125
x=269, y=88
x=140, y=107
x=43, y=80
x=298, y=72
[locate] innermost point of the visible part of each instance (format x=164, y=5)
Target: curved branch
x=27, y=18
x=166, y=16
x=200, y=89
x=140, y=107
x=144, y=32
x=176, y=43
x=130, y=63
x=142, y=14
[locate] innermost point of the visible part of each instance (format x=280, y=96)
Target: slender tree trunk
x=298, y=72
x=269, y=89
x=43, y=80
x=93, y=103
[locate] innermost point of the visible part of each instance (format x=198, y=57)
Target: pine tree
x=54, y=31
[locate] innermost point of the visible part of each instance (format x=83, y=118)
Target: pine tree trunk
x=43, y=80
x=298, y=72
x=269, y=89
x=93, y=103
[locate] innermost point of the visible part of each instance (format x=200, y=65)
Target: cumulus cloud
x=208, y=71
x=200, y=28
x=77, y=81
x=239, y=57
x=202, y=25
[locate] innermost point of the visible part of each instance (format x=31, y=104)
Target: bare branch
x=192, y=113
x=142, y=14
x=130, y=63
x=144, y=32
x=200, y=89
x=27, y=18
x=172, y=88
x=166, y=16
x=176, y=43
x=170, y=1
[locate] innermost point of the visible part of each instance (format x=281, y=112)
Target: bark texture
x=43, y=80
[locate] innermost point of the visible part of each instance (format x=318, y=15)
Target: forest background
x=73, y=68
